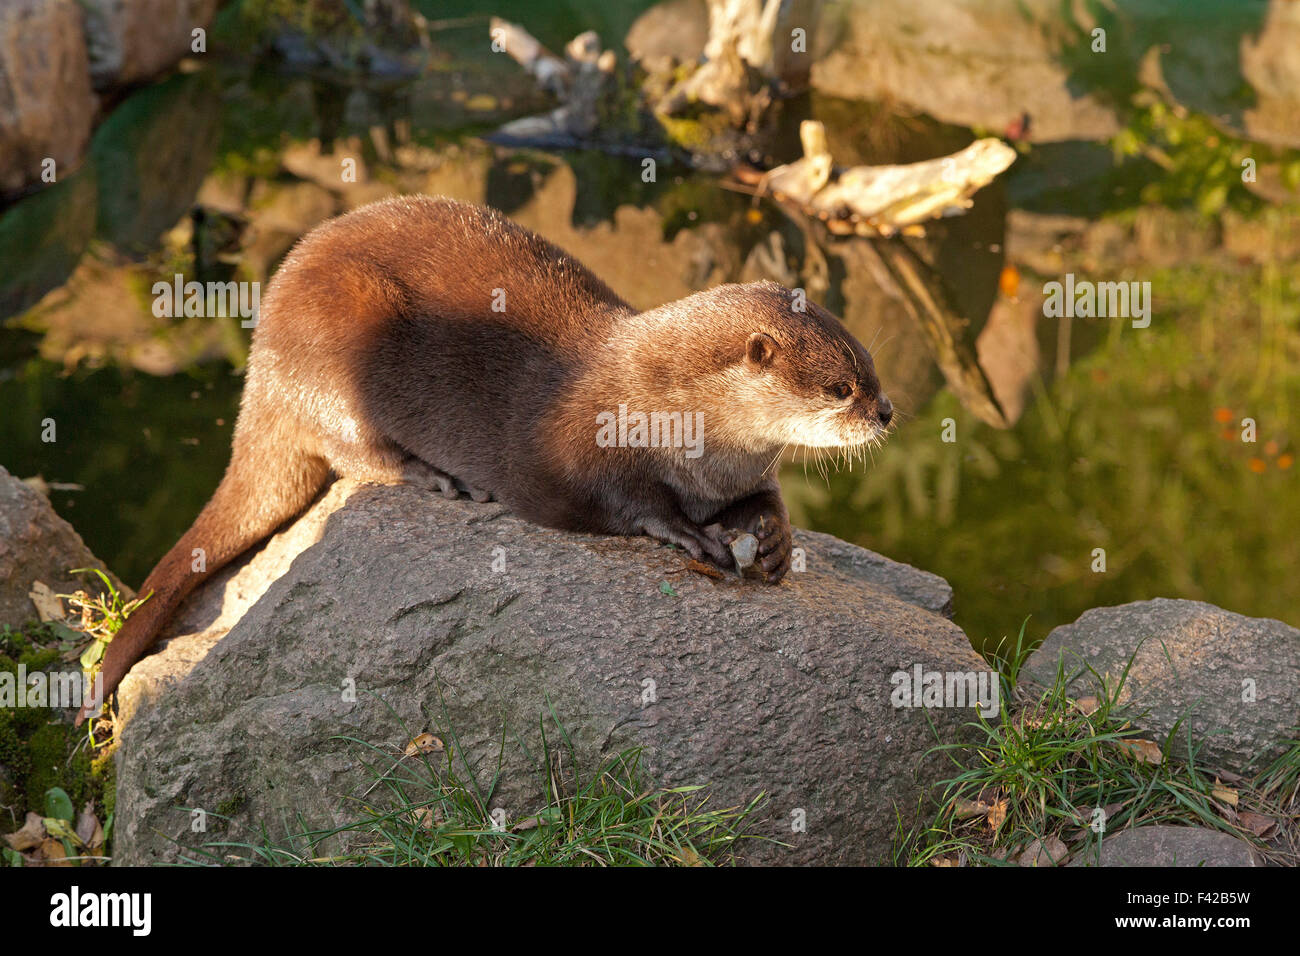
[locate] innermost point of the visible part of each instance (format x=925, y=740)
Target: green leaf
x=66, y=633
x=58, y=805
x=60, y=829
x=11, y=857
x=667, y=588
x=91, y=655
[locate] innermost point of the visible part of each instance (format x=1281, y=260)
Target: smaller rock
x=134, y=40
x=1049, y=852
x=1171, y=846
x=672, y=31
x=37, y=545
x=46, y=104
x=1231, y=682
x=744, y=549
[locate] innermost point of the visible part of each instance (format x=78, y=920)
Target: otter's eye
x=841, y=390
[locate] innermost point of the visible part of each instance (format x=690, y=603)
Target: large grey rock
x=968, y=62
x=1171, y=846
x=46, y=104
x=134, y=40
x=986, y=62
x=784, y=691
x=43, y=238
x=151, y=156
x=1238, y=678
x=36, y=545
x=674, y=29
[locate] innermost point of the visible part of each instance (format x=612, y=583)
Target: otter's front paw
x=775, y=544
x=701, y=543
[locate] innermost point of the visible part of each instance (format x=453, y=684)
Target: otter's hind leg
x=421, y=474
x=478, y=494
x=389, y=465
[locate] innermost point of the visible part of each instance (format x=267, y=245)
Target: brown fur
x=378, y=356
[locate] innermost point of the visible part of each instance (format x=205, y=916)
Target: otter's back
x=425, y=258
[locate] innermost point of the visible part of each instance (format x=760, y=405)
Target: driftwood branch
x=551, y=72
x=580, y=80
x=751, y=49
x=882, y=200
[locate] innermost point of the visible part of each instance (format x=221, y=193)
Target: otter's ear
x=760, y=349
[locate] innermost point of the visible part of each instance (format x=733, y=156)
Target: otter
x=432, y=342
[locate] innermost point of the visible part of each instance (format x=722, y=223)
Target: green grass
x=426, y=807
x=1041, y=769
x=42, y=754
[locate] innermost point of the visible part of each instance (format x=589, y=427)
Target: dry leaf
x=54, y=854
x=48, y=605
x=89, y=831
x=1087, y=705
x=32, y=834
x=1224, y=795
x=1258, y=824
x=429, y=817
x=964, y=809
x=1109, y=811
x=1049, y=852
x=998, y=814
x=1146, y=751
x=708, y=570
x=943, y=861
x=425, y=743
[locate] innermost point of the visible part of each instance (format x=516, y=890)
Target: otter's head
x=792, y=372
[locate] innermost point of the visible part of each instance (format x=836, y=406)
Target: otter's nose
x=884, y=409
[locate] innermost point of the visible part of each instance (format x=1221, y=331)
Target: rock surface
x=673, y=30
x=988, y=62
x=784, y=691
x=1238, y=677
x=1172, y=846
x=968, y=63
x=134, y=40
x=46, y=104
x=36, y=545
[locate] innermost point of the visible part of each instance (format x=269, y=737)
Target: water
x=1123, y=439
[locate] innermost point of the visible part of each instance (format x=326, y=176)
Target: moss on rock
x=38, y=748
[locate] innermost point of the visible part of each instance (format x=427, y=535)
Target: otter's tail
x=263, y=487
